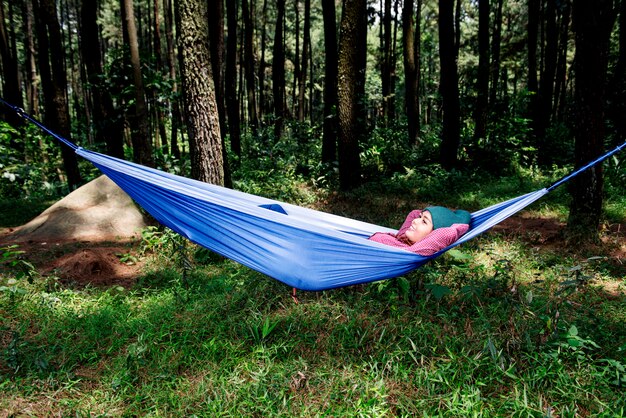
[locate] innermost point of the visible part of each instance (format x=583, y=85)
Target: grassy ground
x=505, y=326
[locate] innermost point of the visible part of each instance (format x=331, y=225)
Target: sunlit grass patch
x=615, y=209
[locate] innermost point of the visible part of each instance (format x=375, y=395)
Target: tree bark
x=411, y=48
x=393, y=62
x=106, y=123
x=205, y=145
x=54, y=82
x=158, y=107
x=449, y=86
x=457, y=27
x=232, y=101
x=593, y=23
x=142, y=143
x=10, y=74
x=617, y=91
x=495, y=53
x=482, y=80
x=351, y=74
x=263, y=65
x=560, y=87
x=305, y=61
x=546, y=89
x=533, y=83
x=296, y=58
x=32, y=97
x=216, y=42
x=171, y=60
x=386, y=60
x=278, y=71
x=329, y=141
x=249, y=67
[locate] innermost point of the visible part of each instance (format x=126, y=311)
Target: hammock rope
x=303, y=248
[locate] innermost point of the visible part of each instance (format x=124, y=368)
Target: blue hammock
x=303, y=248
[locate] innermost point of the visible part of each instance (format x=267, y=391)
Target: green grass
x=500, y=328
x=233, y=343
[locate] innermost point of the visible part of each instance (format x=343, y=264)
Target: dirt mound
x=98, y=211
x=99, y=266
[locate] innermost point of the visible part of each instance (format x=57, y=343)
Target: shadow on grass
x=234, y=341
x=17, y=212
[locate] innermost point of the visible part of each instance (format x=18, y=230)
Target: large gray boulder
x=97, y=211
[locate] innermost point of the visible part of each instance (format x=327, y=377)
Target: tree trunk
x=546, y=89
x=457, y=27
x=107, y=126
x=32, y=82
x=482, y=80
x=54, y=82
x=263, y=65
x=393, y=58
x=171, y=60
x=32, y=97
x=10, y=75
x=158, y=108
x=495, y=53
x=351, y=73
x=314, y=95
x=216, y=41
x=617, y=91
x=449, y=86
x=411, y=67
x=533, y=28
x=278, y=71
x=142, y=143
x=232, y=102
x=560, y=87
x=205, y=145
x=76, y=79
x=385, y=65
x=296, y=58
x=305, y=61
x=592, y=23
x=156, y=12
x=329, y=141
x=417, y=46
x=249, y=67
x=84, y=100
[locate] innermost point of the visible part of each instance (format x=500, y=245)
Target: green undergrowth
x=494, y=329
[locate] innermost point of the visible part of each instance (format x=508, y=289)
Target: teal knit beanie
x=444, y=217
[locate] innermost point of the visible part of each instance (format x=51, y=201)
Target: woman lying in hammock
x=427, y=231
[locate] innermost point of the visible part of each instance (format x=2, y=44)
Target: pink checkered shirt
x=437, y=240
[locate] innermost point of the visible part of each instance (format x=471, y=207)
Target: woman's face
x=420, y=227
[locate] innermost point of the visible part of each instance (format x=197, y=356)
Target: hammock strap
x=20, y=112
x=586, y=166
